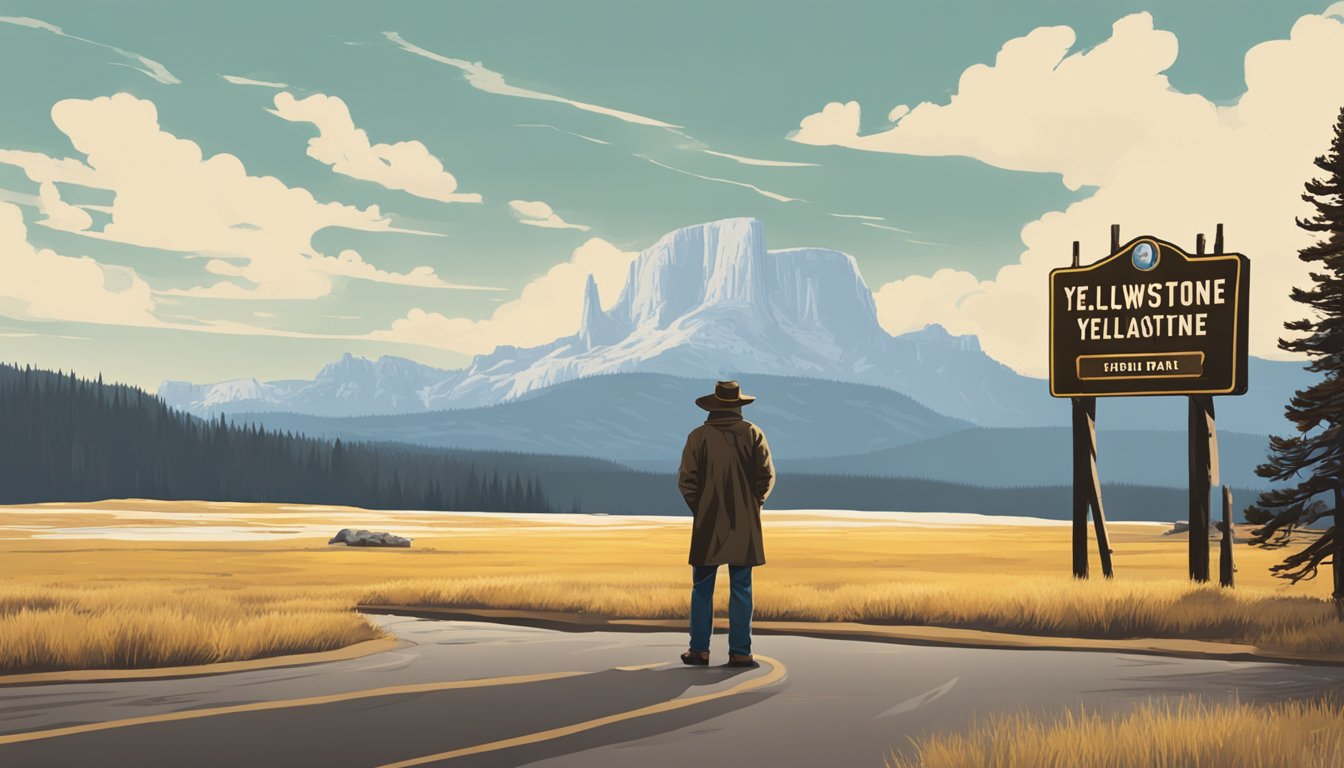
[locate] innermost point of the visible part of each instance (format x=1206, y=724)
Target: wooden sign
x=1150, y=319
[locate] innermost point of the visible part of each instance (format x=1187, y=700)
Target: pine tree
x=71, y=439
x=1315, y=455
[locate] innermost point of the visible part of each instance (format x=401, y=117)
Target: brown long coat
x=726, y=475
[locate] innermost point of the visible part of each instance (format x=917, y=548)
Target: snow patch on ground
x=238, y=522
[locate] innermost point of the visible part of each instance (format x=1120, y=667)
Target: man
x=726, y=475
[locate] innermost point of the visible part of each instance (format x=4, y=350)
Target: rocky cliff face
x=711, y=300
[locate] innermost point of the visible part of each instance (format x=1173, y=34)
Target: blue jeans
x=739, y=608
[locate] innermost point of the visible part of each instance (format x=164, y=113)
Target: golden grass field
x=1154, y=735
x=92, y=602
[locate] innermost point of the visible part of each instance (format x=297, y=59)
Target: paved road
x=473, y=694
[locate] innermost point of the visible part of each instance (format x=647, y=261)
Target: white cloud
x=44, y=285
x=306, y=277
x=1040, y=108
x=755, y=161
x=60, y=214
x=538, y=214
x=146, y=66
x=169, y=196
x=762, y=192
x=405, y=165
x=910, y=304
x=240, y=80
x=487, y=80
x=1180, y=165
x=548, y=308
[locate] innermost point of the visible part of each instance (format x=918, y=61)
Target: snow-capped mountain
x=351, y=386
x=708, y=300
x=711, y=300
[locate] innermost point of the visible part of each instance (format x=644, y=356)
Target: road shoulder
x=908, y=634
x=358, y=650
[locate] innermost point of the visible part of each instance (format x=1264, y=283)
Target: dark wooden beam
x=1203, y=454
x=1226, y=568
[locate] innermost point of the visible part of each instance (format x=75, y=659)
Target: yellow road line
x=260, y=706
x=775, y=674
x=642, y=667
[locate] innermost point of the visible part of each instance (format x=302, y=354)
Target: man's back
x=726, y=475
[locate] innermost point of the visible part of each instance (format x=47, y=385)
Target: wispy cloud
x=536, y=213
x=888, y=228
x=488, y=80
x=240, y=80
x=22, y=198
x=562, y=130
x=756, y=161
x=926, y=242
x=856, y=216
x=30, y=334
x=147, y=66
x=743, y=184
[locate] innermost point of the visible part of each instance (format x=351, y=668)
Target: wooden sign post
x=1203, y=460
x=1203, y=477
x=1084, y=467
x=1149, y=319
x=1226, y=568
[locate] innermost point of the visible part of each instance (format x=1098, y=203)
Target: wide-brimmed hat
x=727, y=394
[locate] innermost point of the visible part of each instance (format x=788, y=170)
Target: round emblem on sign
x=1144, y=256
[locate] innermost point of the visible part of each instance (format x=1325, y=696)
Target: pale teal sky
x=736, y=76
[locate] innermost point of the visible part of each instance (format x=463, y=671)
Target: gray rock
x=363, y=538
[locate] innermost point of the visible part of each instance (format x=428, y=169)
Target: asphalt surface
x=475, y=694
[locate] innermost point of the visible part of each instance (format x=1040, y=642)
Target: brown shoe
x=695, y=658
x=734, y=660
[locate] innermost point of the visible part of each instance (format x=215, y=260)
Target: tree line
x=64, y=438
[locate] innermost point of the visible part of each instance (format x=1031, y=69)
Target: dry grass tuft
x=134, y=627
x=1042, y=605
x=1164, y=735
x=613, y=595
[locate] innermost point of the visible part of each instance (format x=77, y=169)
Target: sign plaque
x=1150, y=319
